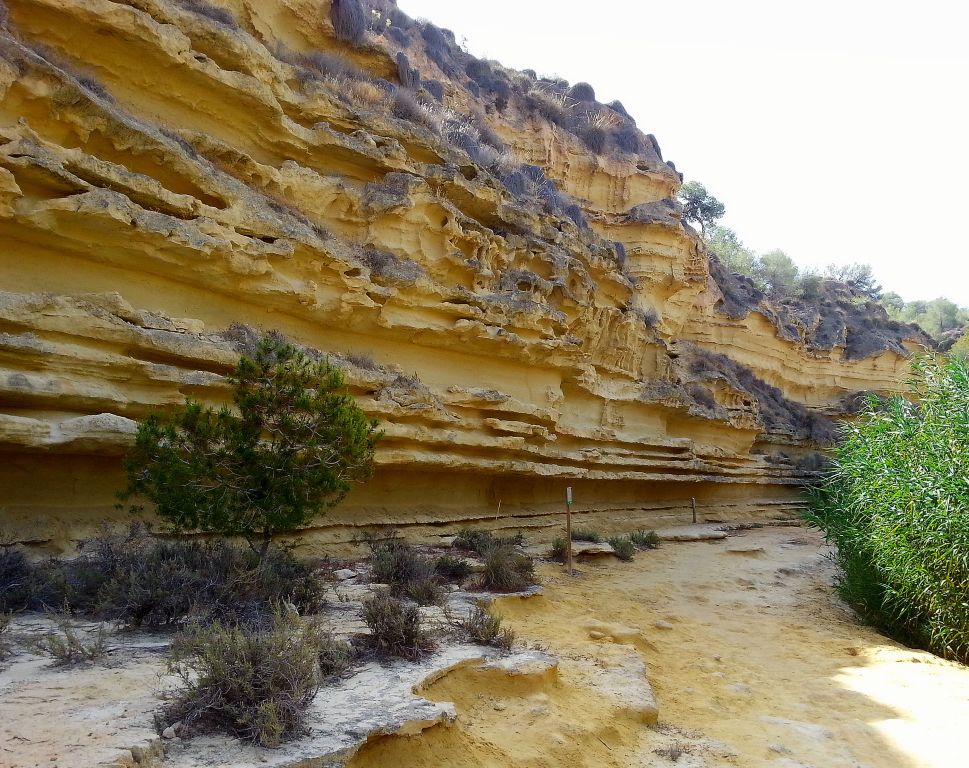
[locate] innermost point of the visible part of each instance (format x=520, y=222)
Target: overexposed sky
x=836, y=131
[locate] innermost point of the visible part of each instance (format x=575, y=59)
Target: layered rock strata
x=523, y=315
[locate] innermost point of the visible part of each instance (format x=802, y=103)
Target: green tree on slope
x=290, y=448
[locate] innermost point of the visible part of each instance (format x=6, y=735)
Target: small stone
x=596, y=635
x=500, y=706
x=780, y=749
x=343, y=574
x=169, y=733
x=662, y=625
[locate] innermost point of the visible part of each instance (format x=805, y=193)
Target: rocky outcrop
x=497, y=260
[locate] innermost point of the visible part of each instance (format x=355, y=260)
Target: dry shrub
x=139, y=580
x=67, y=648
x=396, y=628
x=254, y=684
x=506, y=570
x=349, y=20
x=406, y=572
x=483, y=628
x=365, y=92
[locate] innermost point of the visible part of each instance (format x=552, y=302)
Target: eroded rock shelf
x=173, y=181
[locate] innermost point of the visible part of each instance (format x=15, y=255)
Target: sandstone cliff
x=497, y=260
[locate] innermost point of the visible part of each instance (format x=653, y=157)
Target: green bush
x=896, y=503
x=558, y=550
x=481, y=627
x=405, y=571
x=623, y=547
x=482, y=542
x=452, y=568
x=644, y=539
x=396, y=628
x=291, y=448
x=253, y=683
x=506, y=570
x=584, y=534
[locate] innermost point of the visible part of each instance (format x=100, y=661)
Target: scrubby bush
x=895, y=503
x=627, y=139
x=292, y=448
x=14, y=579
x=474, y=540
x=349, y=20
x=482, y=628
x=139, y=580
x=506, y=570
x=645, y=539
x=405, y=571
x=396, y=628
x=335, y=656
x=623, y=547
x=594, y=137
x=586, y=534
x=452, y=568
x=253, y=683
x=67, y=648
x=409, y=77
x=559, y=550
x=5, y=647
x=582, y=92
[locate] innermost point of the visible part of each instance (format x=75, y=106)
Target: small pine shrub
x=253, y=683
x=482, y=628
x=452, y=568
x=349, y=20
x=586, y=534
x=506, y=570
x=623, y=547
x=645, y=539
x=396, y=628
x=67, y=648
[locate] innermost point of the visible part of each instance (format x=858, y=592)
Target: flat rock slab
x=377, y=700
x=691, y=533
x=591, y=548
x=750, y=550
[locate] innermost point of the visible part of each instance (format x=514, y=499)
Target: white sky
x=836, y=131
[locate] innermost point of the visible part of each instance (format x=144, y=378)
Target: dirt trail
x=753, y=660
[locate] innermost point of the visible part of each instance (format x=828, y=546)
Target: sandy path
x=755, y=663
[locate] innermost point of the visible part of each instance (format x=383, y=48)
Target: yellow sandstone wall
x=165, y=177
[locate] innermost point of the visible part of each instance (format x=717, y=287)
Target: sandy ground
x=753, y=659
